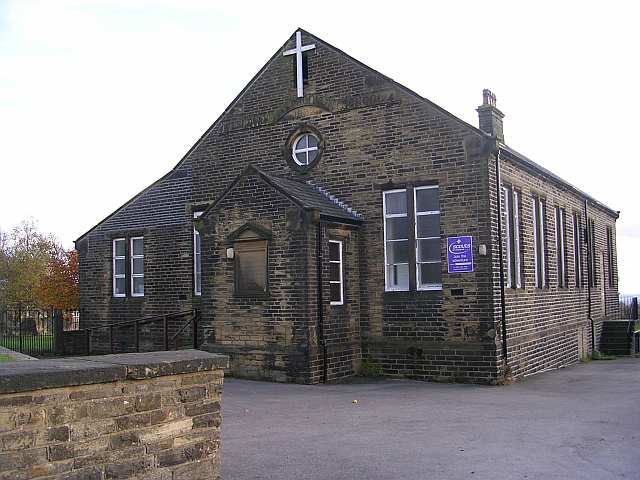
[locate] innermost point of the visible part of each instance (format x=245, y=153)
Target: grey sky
x=100, y=98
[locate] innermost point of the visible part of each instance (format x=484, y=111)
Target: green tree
x=26, y=255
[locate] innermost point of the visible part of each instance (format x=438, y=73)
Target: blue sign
x=460, y=254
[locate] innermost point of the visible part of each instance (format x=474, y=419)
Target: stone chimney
x=490, y=117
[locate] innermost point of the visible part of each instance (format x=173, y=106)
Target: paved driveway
x=582, y=422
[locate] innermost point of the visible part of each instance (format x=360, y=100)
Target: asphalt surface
x=582, y=422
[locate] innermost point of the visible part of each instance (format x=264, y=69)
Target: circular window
x=305, y=149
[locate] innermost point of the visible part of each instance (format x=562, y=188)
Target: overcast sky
x=99, y=98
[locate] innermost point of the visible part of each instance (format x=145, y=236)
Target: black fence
x=31, y=330
x=627, y=308
x=172, y=331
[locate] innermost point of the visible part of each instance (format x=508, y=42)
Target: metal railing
x=120, y=341
x=31, y=330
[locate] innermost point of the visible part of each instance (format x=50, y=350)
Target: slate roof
x=304, y=194
x=311, y=196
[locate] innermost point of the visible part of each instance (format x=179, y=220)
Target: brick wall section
x=167, y=427
x=549, y=327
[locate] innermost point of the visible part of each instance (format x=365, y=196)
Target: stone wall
x=144, y=416
x=550, y=327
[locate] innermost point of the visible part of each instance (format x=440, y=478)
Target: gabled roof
x=530, y=164
x=304, y=194
x=512, y=153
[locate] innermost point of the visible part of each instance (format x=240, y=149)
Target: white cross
x=298, y=53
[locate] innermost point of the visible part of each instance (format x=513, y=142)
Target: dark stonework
x=375, y=135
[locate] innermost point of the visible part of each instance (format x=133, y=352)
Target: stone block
x=91, y=428
x=22, y=459
x=7, y=421
x=192, y=394
x=18, y=440
x=110, y=407
x=207, y=420
x=186, y=453
x=148, y=402
x=59, y=414
x=201, y=408
x=61, y=451
x=205, y=469
x=160, y=432
x=128, y=468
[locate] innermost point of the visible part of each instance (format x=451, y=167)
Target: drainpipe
x=320, y=306
x=590, y=275
x=503, y=308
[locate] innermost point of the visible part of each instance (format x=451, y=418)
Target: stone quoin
x=309, y=225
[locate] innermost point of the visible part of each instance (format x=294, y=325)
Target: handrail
x=143, y=320
x=184, y=326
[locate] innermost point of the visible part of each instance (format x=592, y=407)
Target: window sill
x=411, y=295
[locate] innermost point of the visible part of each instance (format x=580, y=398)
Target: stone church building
x=332, y=218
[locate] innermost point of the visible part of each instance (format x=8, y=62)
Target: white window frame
x=114, y=258
x=577, y=250
x=516, y=238
x=197, y=258
x=506, y=218
x=428, y=286
x=295, y=151
x=137, y=275
x=539, y=241
x=543, y=242
x=340, y=281
x=388, y=288
x=560, y=222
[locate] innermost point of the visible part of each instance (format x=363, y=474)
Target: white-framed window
x=137, y=266
x=197, y=265
x=539, y=241
x=336, y=283
x=305, y=149
x=511, y=221
x=396, y=240
x=610, y=259
x=577, y=249
x=119, y=267
x=427, y=234
x=561, y=247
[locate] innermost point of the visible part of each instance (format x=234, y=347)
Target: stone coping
x=65, y=372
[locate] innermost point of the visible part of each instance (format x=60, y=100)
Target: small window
x=511, y=220
x=137, y=267
x=119, y=267
x=577, y=249
x=251, y=267
x=610, y=261
x=305, y=149
x=428, y=255
x=593, y=261
x=539, y=241
x=396, y=240
x=561, y=247
x=197, y=267
x=336, y=286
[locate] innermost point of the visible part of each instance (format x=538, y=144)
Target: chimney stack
x=490, y=117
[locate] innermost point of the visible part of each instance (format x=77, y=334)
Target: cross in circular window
x=305, y=149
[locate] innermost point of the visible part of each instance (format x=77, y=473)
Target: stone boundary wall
x=139, y=415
